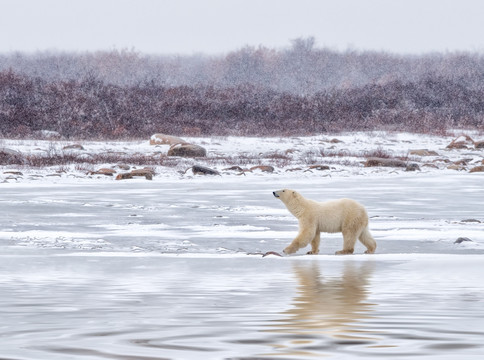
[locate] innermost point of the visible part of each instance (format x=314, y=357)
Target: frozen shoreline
x=409, y=213
x=292, y=157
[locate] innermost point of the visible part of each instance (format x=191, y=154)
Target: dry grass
x=87, y=160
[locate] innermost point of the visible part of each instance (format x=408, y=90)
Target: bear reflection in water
x=326, y=310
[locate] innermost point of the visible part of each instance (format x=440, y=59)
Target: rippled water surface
x=166, y=307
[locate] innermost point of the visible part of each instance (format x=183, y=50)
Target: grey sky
x=219, y=26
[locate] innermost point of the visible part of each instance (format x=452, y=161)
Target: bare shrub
x=92, y=107
x=377, y=153
x=54, y=158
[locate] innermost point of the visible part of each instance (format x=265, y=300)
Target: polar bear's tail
x=368, y=241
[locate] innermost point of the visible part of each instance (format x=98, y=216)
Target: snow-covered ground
x=94, y=268
x=290, y=157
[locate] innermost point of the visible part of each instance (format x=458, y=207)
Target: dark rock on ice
x=385, y=162
x=479, y=144
x=146, y=172
x=423, y=152
x=73, y=147
x=10, y=157
x=234, y=168
x=263, y=168
x=202, y=170
x=479, y=168
x=187, y=150
x=412, y=167
x=461, y=142
x=319, y=167
x=462, y=239
x=103, y=171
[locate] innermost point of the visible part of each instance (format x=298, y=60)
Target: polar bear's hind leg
x=349, y=240
x=368, y=241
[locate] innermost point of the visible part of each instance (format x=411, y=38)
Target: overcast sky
x=220, y=26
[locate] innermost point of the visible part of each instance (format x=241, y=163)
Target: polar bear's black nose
x=275, y=194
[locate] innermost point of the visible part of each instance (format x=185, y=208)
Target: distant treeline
x=253, y=91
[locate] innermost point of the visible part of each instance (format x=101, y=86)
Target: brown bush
x=91, y=108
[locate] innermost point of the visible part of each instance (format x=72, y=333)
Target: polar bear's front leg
x=302, y=239
x=315, y=245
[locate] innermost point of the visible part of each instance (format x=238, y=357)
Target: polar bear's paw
x=344, y=252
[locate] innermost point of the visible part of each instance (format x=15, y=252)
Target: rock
x=479, y=144
x=470, y=221
x=319, y=167
x=11, y=157
x=263, y=168
x=202, y=170
x=412, y=167
x=433, y=166
x=462, y=239
x=295, y=169
x=146, y=172
x=123, y=167
x=461, y=142
x=73, y=147
x=423, y=152
x=455, y=167
x=335, y=141
x=271, y=253
x=187, y=150
x=234, y=168
x=385, y=162
x=124, y=176
x=462, y=162
x=12, y=172
x=479, y=168
x=103, y=171
x=162, y=139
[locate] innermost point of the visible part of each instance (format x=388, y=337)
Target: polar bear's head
x=292, y=199
x=286, y=195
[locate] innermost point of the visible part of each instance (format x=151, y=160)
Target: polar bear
x=343, y=215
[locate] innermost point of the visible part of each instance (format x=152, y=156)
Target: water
x=176, y=307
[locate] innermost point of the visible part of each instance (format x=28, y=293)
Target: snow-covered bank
x=339, y=155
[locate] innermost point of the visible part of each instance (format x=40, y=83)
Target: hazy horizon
x=214, y=27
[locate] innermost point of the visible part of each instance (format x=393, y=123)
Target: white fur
x=343, y=215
